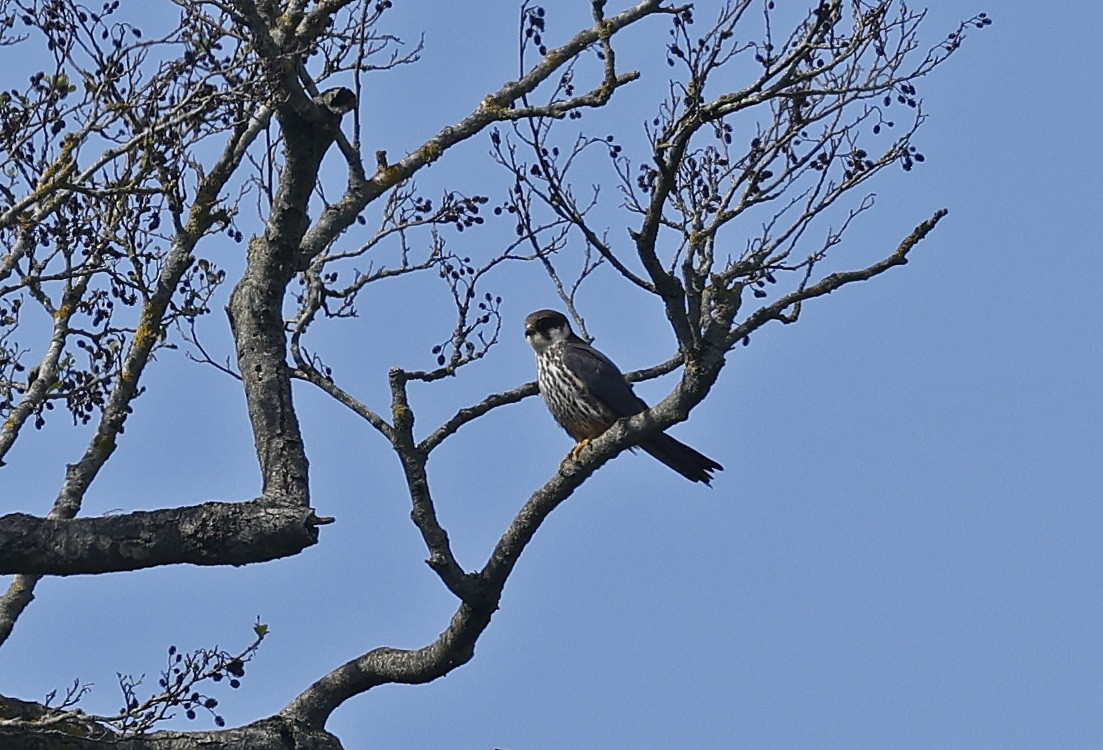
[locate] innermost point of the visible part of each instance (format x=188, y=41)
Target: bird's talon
x=576, y=452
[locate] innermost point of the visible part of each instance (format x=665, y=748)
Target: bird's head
x=546, y=327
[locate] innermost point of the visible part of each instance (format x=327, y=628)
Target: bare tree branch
x=125, y=154
x=207, y=534
x=481, y=592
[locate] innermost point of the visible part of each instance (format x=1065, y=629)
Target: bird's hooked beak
x=537, y=339
x=533, y=337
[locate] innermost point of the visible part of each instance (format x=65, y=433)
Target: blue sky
x=903, y=550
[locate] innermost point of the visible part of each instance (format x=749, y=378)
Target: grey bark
x=213, y=533
x=73, y=731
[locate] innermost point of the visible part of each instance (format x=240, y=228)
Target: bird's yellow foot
x=574, y=455
x=576, y=452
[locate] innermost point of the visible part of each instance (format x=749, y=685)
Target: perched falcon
x=587, y=393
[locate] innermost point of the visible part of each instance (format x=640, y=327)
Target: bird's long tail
x=694, y=466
